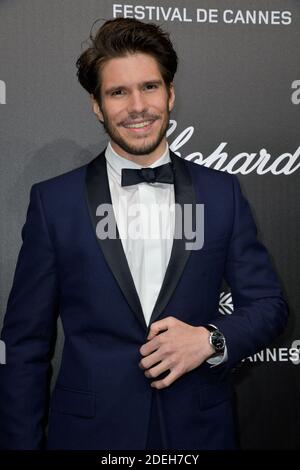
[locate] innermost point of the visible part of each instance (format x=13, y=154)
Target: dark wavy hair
x=119, y=37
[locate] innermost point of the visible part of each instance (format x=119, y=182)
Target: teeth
x=139, y=125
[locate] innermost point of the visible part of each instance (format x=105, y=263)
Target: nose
x=137, y=102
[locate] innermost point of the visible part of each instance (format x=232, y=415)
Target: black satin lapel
x=184, y=194
x=98, y=192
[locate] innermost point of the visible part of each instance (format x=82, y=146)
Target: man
x=147, y=357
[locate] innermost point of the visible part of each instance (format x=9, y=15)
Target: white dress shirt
x=146, y=250
x=146, y=233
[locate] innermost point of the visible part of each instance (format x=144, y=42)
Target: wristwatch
x=216, y=339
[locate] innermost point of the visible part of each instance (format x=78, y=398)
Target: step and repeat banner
x=237, y=110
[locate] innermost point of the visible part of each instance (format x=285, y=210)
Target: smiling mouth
x=142, y=125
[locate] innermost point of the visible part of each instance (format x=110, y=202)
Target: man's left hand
x=176, y=346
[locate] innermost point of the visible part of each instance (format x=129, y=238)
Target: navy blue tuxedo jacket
x=102, y=399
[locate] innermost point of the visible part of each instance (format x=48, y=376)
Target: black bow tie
x=158, y=174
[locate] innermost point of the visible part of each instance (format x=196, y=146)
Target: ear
x=171, y=97
x=96, y=108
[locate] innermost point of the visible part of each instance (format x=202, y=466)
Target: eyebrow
x=142, y=84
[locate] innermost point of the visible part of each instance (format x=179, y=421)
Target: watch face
x=218, y=341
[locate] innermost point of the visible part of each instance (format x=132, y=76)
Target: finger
x=166, y=381
x=160, y=325
x=150, y=360
x=158, y=369
x=150, y=346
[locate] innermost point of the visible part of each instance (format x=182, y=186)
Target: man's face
x=135, y=105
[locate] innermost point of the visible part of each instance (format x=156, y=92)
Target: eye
x=151, y=86
x=119, y=92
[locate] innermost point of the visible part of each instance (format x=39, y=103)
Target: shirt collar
x=116, y=163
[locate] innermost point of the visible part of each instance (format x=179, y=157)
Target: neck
x=143, y=160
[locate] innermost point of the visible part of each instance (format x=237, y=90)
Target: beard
x=144, y=148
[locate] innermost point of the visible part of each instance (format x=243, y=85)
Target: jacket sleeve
x=28, y=332
x=260, y=312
